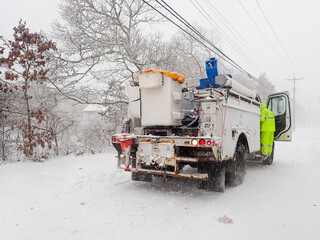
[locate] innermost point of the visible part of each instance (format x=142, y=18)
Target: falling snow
x=88, y=198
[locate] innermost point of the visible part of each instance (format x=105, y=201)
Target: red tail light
x=202, y=142
x=114, y=139
x=128, y=120
x=209, y=142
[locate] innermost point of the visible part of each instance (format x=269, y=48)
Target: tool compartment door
x=279, y=104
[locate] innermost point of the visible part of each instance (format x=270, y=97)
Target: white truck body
x=227, y=127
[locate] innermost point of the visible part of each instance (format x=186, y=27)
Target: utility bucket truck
x=205, y=131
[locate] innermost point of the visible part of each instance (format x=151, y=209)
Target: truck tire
x=134, y=163
x=216, y=177
x=269, y=160
x=237, y=167
x=143, y=177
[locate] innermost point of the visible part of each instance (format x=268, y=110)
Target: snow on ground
x=88, y=198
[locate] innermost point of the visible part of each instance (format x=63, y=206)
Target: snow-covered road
x=88, y=198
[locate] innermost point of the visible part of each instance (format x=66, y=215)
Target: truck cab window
x=277, y=106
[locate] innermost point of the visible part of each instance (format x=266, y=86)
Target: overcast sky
x=296, y=23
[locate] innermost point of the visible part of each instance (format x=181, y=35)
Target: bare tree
x=57, y=119
x=5, y=128
x=265, y=87
x=102, y=46
x=24, y=66
x=100, y=41
x=189, y=55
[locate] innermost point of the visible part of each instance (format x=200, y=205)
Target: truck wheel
x=216, y=178
x=237, y=167
x=143, y=177
x=134, y=163
x=269, y=160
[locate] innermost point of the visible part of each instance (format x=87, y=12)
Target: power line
x=225, y=22
x=188, y=25
x=229, y=40
x=262, y=33
x=185, y=22
x=234, y=45
x=240, y=38
x=275, y=34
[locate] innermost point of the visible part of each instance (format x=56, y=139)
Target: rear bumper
x=168, y=155
x=198, y=176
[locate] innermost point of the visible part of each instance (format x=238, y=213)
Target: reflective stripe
x=267, y=114
x=267, y=120
x=266, y=145
x=266, y=153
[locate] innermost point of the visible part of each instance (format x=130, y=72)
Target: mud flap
x=126, y=144
x=216, y=181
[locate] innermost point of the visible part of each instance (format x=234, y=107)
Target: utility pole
x=294, y=99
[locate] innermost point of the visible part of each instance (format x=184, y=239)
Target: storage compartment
x=150, y=80
x=160, y=103
x=134, y=101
